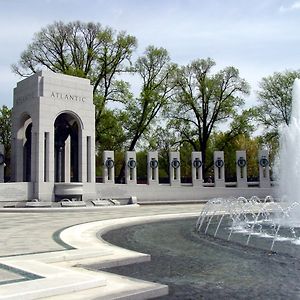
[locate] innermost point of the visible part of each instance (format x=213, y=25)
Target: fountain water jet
x=248, y=219
x=243, y=220
x=289, y=157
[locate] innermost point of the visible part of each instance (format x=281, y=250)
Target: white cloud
x=294, y=6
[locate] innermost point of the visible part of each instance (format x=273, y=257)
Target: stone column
x=51, y=159
x=46, y=157
x=19, y=160
x=197, y=178
x=92, y=162
x=2, y=163
x=39, y=169
x=130, y=167
x=82, y=157
x=38, y=173
x=175, y=168
x=241, y=169
x=67, y=160
x=264, y=169
x=219, y=169
x=35, y=157
x=108, y=167
x=152, y=167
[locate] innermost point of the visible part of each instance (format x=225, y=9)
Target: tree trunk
x=204, y=165
x=203, y=150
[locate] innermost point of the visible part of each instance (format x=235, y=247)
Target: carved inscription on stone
x=68, y=97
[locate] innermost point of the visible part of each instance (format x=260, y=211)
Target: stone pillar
x=152, y=167
x=264, y=169
x=92, y=160
x=175, y=168
x=197, y=178
x=82, y=157
x=130, y=167
x=108, y=167
x=67, y=160
x=219, y=169
x=51, y=159
x=37, y=160
x=19, y=161
x=241, y=169
x=46, y=157
x=2, y=163
x=35, y=170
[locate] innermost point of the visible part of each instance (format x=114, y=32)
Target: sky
x=259, y=37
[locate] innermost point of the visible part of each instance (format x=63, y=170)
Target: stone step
x=53, y=285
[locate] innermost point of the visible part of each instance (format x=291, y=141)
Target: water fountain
x=266, y=224
x=242, y=248
x=251, y=222
x=289, y=162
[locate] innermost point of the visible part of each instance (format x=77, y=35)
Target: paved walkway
x=38, y=232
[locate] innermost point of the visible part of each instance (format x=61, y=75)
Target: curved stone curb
x=61, y=280
x=84, y=236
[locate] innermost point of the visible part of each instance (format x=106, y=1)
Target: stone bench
x=72, y=203
x=114, y=201
x=105, y=202
x=36, y=203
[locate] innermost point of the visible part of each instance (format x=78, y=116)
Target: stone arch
x=62, y=160
x=72, y=114
x=24, y=133
x=67, y=134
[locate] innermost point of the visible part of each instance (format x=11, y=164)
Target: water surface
x=203, y=268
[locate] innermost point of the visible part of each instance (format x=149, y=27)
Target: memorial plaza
x=53, y=211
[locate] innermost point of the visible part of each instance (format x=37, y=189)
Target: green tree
x=205, y=100
x=275, y=101
x=5, y=127
x=110, y=131
x=86, y=50
x=141, y=160
x=5, y=134
x=157, y=74
x=163, y=140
